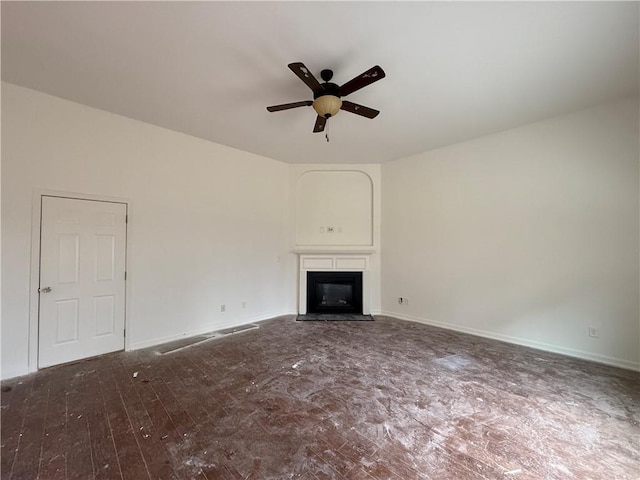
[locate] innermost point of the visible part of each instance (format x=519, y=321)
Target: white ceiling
x=455, y=70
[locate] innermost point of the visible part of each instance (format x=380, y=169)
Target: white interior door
x=82, y=279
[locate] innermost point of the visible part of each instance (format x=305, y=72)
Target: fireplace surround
x=334, y=262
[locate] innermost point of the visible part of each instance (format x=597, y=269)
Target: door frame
x=34, y=277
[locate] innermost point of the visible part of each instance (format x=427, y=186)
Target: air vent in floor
x=191, y=341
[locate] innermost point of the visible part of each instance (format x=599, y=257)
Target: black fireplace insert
x=334, y=292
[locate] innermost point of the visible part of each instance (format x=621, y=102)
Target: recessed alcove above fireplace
x=334, y=208
x=342, y=277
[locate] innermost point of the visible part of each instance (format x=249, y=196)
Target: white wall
x=529, y=235
x=358, y=188
x=208, y=224
x=334, y=207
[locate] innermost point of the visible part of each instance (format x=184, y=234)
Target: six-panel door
x=82, y=279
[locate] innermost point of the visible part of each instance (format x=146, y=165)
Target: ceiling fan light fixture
x=327, y=105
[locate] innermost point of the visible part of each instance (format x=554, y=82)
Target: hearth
x=334, y=292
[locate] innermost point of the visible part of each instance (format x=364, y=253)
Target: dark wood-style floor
x=315, y=400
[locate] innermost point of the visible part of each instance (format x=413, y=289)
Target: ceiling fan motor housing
x=327, y=89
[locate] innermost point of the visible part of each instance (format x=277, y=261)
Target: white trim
x=547, y=347
x=334, y=250
x=14, y=373
x=34, y=277
x=170, y=338
x=331, y=262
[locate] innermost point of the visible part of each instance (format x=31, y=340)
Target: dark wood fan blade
x=359, y=109
x=306, y=76
x=320, y=123
x=367, y=78
x=287, y=106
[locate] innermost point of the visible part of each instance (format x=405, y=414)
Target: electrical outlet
x=406, y=300
x=223, y=308
x=400, y=300
x=593, y=332
x=329, y=229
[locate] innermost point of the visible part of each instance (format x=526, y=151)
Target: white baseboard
x=571, y=352
x=6, y=375
x=211, y=328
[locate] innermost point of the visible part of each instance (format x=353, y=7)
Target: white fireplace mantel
x=336, y=261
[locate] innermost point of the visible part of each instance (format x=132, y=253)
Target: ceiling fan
x=326, y=96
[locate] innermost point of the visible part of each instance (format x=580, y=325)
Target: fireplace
x=334, y=292
x=331, y=263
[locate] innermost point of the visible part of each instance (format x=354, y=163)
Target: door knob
x=44, y=290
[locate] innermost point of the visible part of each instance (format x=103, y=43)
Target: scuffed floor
x=317, y=400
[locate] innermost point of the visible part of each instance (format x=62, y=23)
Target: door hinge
x=124, y=332
x=125, y=275
x=126, y=219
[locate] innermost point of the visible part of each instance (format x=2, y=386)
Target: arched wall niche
x=334, y=208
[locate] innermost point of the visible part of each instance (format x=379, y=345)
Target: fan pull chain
x=326, y=133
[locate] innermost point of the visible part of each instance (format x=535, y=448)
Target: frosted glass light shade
x=327, y=105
